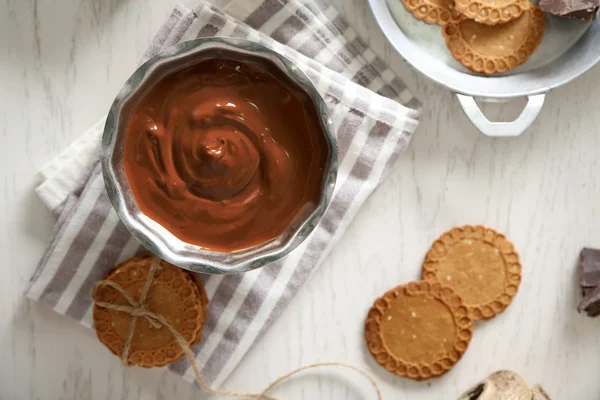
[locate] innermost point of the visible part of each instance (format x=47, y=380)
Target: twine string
x=284, y=377
x=541, y=391
x=139, y=309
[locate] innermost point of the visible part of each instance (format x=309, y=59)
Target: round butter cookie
x=489, y=49
x=418, y=330
x=492, y=12
x=479, y=264
x=439, y=12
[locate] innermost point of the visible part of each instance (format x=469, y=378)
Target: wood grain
x=62, y=63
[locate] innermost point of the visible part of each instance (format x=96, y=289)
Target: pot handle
x=502, y=129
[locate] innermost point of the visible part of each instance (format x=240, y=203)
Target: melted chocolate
x=225, y=154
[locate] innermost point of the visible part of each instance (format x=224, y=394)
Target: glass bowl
x=151, y=234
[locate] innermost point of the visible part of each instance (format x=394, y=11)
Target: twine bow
x=139, y=309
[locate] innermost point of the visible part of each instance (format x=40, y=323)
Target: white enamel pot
x=533, y=84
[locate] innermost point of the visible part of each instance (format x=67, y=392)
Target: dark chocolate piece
x=586, y=290
x=590, y=304
x=584, y=10
x=583, y=15
x=589, y=280
x=589, y=268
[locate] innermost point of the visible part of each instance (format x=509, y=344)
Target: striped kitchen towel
x=373, y=114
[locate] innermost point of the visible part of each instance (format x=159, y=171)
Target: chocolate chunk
x=589, y=268
x=587, y=15
x=589, y=280
x=586, y=290
x=590, y=304
x=584, y=10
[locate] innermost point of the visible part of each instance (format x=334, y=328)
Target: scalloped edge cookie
x=433, y=13
x=203, y=301
x=418, y=369
x=485, y=13
x=486, y=64
x=487, y=235
x=194, y=302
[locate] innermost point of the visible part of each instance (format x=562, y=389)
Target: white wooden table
x=62, y=62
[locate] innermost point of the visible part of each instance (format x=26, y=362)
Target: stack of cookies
x=486, y=36
x=122, y=303
x=421, y=329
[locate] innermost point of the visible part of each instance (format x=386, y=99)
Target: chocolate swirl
x=224, y=155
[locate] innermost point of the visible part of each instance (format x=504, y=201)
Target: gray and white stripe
x=372, y=131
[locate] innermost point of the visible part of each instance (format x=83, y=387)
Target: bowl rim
x=158, y=239
x=581, y=57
